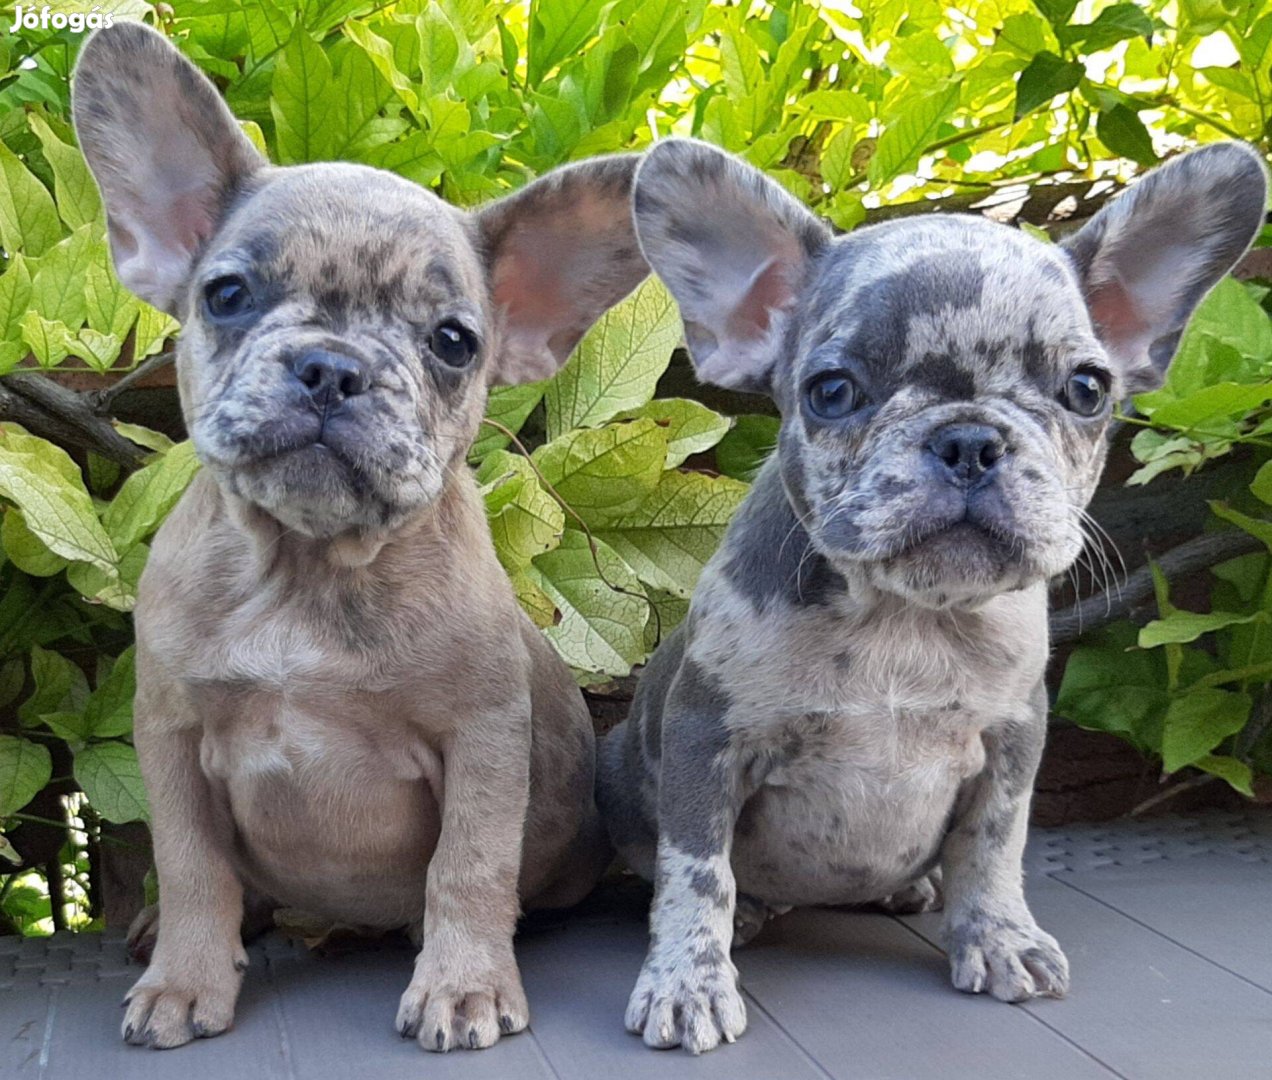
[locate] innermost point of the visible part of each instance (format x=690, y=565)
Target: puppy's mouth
x=957, y=537
x=308, y=437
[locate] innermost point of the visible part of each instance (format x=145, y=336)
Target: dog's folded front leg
x=193, y=980
x=994, y=944
x=687, y=993
x=466, y=989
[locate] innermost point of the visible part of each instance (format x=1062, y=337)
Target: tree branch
x=1097, y=611
x=100, y=401
x=63, y=416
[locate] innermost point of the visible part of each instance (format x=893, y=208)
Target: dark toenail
x=505, y=1024
x=128, y=1033
x=440, y=1039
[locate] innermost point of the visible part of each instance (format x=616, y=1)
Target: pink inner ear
x=768, y=291
x=1119, y=324
x=189, y=221
x=527, y=295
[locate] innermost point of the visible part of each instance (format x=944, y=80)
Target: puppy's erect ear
x=559, y=252
x=1146, y=260
x=733, y=248
x=165, y=151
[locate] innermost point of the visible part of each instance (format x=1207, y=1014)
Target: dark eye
x=227, y=297
x=1085, y=392
x=453, y=345
x=833, y=396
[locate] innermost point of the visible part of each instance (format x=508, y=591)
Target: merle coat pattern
x=340, y=705
x=854, y=705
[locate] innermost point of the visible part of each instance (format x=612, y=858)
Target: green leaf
x=109, y=306
x=15, y=296
x=47, y=486
x=99, y=351
x=26, y=550
x=1262, y=530
x=1237, y=773
x=1185, y=626
x=59, y=686
x=1107, y=688
x=58, y=287
x=111, y=778
x=1113, y=24
x=533, y=600
x=690, y=428
x=48, y=340
x=117, y=590
x=668, y=539
x=1199, y=721
x=78, y=202
x=1220, y=400
x=439, y=47
x=525, y=520
x=603, y=473
x=740, y=60
x=25, y=767
x=301, y=100
x=836, y=159
x=144, y=436
x=509, y=406
x=1261, y=485
x=911, y=131
x=600, y=629
x=154, y=327
x=109, y=711
x=668, y=612
x=28, y=217
x=380, y=53
x=557, y=29
x=1045, y=77
x=148, y=495
x=1123, y=132
x=618, y=363
x=747, y=446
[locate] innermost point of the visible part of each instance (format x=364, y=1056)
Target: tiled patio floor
x=1167, y=924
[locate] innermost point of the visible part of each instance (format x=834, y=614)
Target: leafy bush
x=604, y=500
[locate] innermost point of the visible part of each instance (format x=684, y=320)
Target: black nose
x=966, y=452
x=330, y=377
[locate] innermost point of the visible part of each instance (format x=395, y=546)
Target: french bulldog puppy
x=856, y=695
x=340, y=706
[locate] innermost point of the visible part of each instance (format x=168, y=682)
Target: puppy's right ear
x=734, y=249
x=165, y=150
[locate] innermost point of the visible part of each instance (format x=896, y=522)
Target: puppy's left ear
x=1146, y=260
x=559, y=252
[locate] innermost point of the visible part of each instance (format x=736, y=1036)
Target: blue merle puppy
x=855, y=702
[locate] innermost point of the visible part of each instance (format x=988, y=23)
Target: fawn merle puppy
x=855, y=700
x=340, y=706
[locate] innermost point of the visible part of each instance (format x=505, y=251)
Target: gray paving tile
x=338, y=1011
x=578, y=980
x=1218, y=906
x=1144, y=1006
x=870, y=1000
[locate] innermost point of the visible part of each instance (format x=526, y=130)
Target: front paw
x=444, y=1008
x=695, y=1006
x=174, y=1003
x=1013, y=960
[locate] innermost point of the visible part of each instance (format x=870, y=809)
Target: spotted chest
x=855, y=806
x=859, y=732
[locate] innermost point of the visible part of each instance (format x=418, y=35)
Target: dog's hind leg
x=924, y=894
